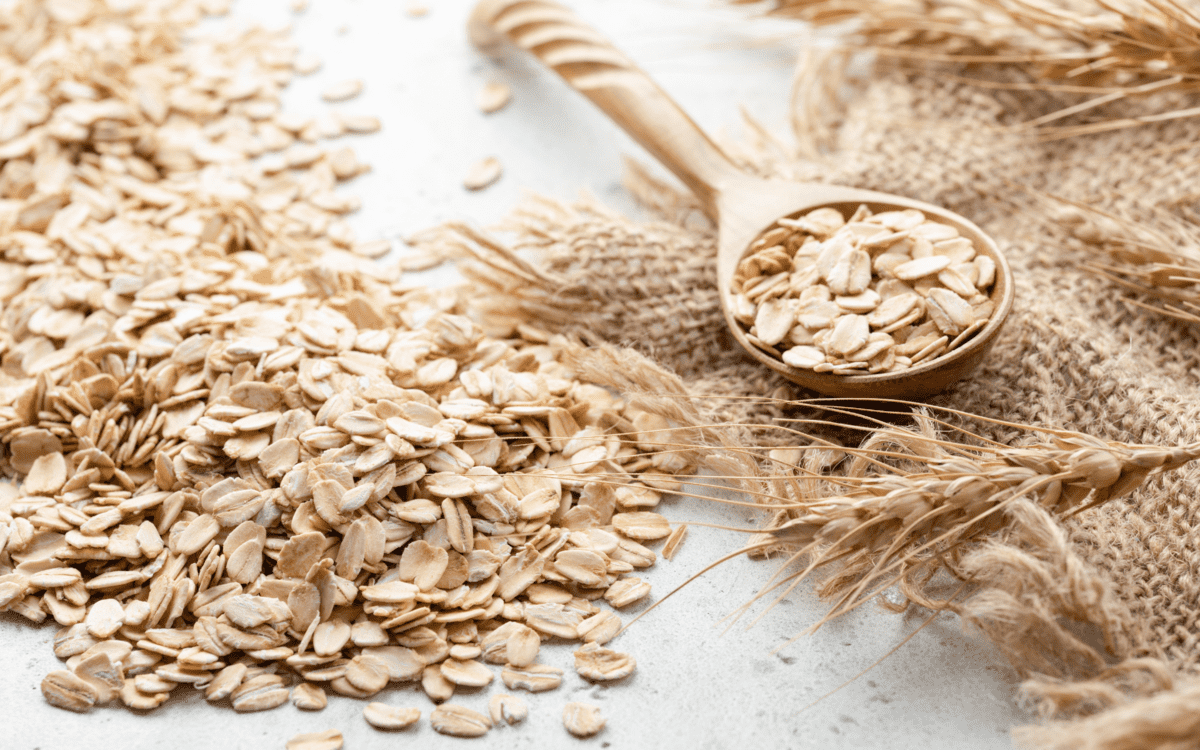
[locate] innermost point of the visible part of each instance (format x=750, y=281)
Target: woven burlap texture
x=1074, y=355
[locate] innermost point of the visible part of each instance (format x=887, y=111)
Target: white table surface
x=697, y=685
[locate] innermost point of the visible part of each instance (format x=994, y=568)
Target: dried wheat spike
x=1095, y=46
x=908, y=496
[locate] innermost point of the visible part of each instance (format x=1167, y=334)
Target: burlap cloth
x=1074, y=354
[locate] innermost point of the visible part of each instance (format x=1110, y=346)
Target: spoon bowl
x=742, y=206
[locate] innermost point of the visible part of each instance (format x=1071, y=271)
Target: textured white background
x=698, y=685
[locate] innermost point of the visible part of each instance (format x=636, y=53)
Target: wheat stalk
x=908, y=503
x=1161, y=263
x=887, y=521
x=1116, y=49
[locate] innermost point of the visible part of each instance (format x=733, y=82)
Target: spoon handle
x=595, y=68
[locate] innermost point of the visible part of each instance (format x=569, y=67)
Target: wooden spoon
x=743, y=206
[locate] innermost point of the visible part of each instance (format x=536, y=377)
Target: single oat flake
x=582, y=719
x=329, y=739
x=493, y=97
x=458, y=721
x=342, y=90
x=506, y=709
x=383, y=716
x=307, y=64
x=483, y=174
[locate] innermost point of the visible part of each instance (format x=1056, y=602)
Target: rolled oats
x=674, y=541
x=599, y=628
x=642, y=525
x=266, y=463
x=523, y=647
x=458, y=721
x=602, y=664
x=360, y=123
x=308, y=697
x=65, y=689
x=403, y=664
x=483, y=173
x=582, y=720
x=104, y=618
x=329, y=739
x=260, y=693
x=626, y=591
x=136, y=699
x=103, y=674
x=493, y=97
x=383, y=716
x=535, y=678
x=307, y=64
x=506, y=709
x=469, y=673
x=821, y=294
x=330, y=637
x=435, y=684
x=342, y=90
x=367, y=673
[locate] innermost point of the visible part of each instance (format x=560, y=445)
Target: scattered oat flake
x=458, y=721
x=674, y=541
x=307, y=64
x=536, y=678
x=417, y=10
x=329, y=739
x=360, y=124
x=342, y=90
x=506, y=709
x=642, y=525
x=626, y=591
x=383, y=716
x=421, y=261
x=308, y=697
x=493, y=97
x=601, y=664
x=483, y=174
x=582, y=720
x=372, y=249
x=64, y=689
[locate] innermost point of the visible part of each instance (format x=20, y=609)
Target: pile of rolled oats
x=243, y=457
x=875, y=293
